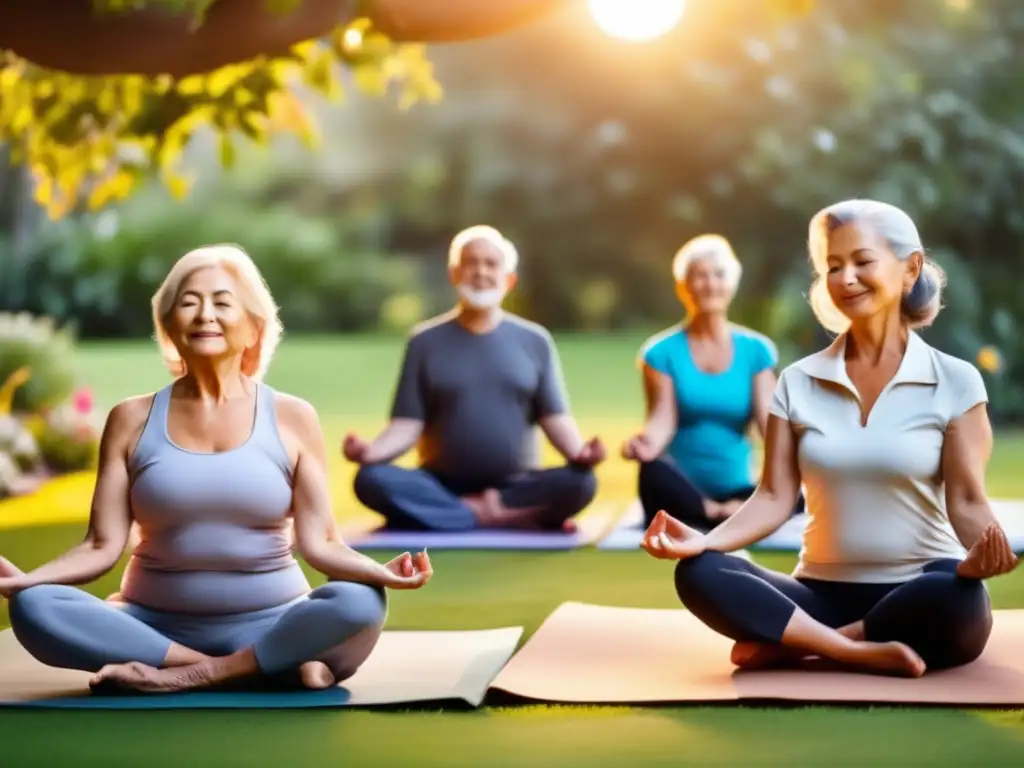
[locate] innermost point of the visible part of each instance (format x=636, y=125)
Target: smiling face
x=208, y=319
x=864, y=277
x=708, y=286
x=481, y=276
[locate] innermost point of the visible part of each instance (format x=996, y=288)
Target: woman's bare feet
x=207, y=673
x=316, y=675
x=886, y=658
x=750, y=654
x=136, y=676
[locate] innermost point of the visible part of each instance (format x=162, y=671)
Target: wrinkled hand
x=668, y=539
x=591, y=454
x=409, y=572
x=990, y=556
x=638, y=448
x=354, y=448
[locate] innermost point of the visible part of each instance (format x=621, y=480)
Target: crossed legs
x=935, y=621
x=323, y=638
x=663, y=486
x=414, y=499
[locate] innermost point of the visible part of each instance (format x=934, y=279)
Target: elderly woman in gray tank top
x=214, y=469
x=891, y=438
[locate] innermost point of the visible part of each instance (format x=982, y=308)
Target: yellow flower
x=989, y=359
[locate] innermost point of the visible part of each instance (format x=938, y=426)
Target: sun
x=636, y=20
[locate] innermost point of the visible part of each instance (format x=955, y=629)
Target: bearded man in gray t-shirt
x=474, y=386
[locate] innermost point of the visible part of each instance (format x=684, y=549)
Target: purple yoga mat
x=590, y=528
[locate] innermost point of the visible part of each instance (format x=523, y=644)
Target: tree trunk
x=69, y=35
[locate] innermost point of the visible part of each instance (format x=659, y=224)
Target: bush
x=35, y=345
x=98, y=272
x=42, y=431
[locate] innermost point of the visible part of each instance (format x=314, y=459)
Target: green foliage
x=67, y=441
x=97, y=272
x=88, y=141
x=46, y=351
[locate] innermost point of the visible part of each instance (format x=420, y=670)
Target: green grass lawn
x=350, y=382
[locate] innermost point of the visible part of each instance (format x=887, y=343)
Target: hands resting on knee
x=668, y=539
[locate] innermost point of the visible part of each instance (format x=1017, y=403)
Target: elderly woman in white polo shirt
x=890, y=438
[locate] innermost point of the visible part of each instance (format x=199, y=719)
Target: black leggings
x=944, y=618
x=662, y=485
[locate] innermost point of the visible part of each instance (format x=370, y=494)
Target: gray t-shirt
x=480, y=397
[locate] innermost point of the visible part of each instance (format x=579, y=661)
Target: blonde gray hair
x=510, y=256
x=711, y=248
x=253, y=293
x=920, y=306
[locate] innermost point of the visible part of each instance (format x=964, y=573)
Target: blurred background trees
x=599, y=158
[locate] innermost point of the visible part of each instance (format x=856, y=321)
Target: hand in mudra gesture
x=668, y=539
x=409, y=572
x=990, y=556
x=638, y=448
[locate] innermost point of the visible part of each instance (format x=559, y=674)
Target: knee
x=652, y=475
x=692, y=573
x=962, y=625
x=581, y=487
x=357, y=607
x=371, y=482
x=30, y=608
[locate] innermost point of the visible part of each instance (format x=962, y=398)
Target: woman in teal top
x=706, y=381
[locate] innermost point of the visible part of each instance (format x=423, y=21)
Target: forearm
x=763, y=514
x=970, y=519
x=79, y=565
x=564, y=434
x=659, y=431
x=397, y=438
x=339, y=562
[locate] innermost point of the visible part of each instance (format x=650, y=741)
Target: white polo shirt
x=875, y=494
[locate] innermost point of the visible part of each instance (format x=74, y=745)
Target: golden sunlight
x=636, y=20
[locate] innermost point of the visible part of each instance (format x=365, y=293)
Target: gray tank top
x=215, y=533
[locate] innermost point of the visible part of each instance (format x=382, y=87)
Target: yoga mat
x=597, y=654
x=789, y=538
x=366, y=534
x=630, y=528
x=405, y=668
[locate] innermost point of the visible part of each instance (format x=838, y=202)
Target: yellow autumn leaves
x=88, y=141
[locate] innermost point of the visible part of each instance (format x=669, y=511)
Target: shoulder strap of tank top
x=154, y=433
x=267, y=432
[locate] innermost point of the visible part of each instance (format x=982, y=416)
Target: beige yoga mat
x=597, y=654
x=405, y=668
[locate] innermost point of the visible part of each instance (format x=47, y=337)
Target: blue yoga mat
x=405, y=668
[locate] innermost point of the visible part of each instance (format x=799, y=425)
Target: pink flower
x=82, y=401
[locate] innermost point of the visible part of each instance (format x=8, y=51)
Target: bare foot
x=136, y=676
x=730, y=508
x=9, y=569
x=569, y=526
x=496, y=515
x=140, y=677
x=476, y=504
x=887, y=658
x=316, y=675
x=749, y=654
x=713, y=510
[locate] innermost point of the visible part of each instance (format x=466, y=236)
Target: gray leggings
x=338, y=623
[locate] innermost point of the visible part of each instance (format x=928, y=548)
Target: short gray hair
x=509, y=254
x=712, y=248
x=920, y=306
